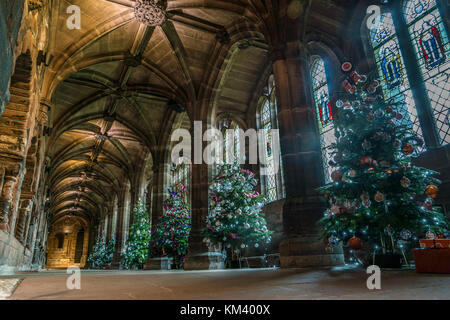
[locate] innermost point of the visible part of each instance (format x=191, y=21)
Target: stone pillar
x=198, y=256
x=6, y=198
x=302, y=161
x=160, y=175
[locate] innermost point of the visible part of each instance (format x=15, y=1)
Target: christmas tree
x=136, y=249
x=171, y=235
x=102, y=254
x=377, y=194
x=235, y=219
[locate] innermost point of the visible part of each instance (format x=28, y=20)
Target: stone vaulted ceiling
x=116, y=87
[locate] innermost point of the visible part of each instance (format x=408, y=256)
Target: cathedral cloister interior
x=89, y=101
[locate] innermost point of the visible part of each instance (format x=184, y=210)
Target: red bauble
x=336, y=176
x=355, y=243
x=366, y=160
x=407, y=149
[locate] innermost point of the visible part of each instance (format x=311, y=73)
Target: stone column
x=302, y=161
x=198, y=256
x=160, y=175
x=6, y=198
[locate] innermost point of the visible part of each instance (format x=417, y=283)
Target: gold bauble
x=431, y=191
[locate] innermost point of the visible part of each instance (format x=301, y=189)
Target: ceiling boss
x=151, y=12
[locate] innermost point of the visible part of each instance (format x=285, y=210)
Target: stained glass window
x=392, y=72
x=273, y=181
x=324, y=113
x=432, y=47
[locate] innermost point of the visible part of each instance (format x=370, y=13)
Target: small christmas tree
x=171, y=235
x=136, y=249
x=377, y=193
x=102, y=254
x=235, y=219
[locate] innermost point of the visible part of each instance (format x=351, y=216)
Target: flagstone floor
x=259, y=284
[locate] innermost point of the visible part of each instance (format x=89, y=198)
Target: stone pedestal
x=307, y=251
x=200, y=258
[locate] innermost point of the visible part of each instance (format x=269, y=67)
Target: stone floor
x=328, y=283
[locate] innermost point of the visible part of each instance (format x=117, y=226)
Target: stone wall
x=13, y=255
x=10, y=21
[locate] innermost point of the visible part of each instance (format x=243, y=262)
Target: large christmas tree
x=377, y=194
x=136, y=248
x=235, y=219
x=171, y=234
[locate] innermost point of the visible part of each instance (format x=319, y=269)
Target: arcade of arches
x=86, y=115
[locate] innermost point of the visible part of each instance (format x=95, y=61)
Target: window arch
x=432, y=48
x=272, y=183
x=324, y=112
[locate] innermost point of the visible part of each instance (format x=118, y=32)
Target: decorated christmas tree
x=136, y=249
x=377, y=195
x=171, y=234
x=235, y=219
x=102, y=253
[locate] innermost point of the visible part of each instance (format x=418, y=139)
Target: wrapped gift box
x=438, y=243
x=432, y=260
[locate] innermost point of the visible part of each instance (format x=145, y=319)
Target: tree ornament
x=346, y=66
x=357, y=78
x=405, y=234
x=407, y=149
x=379, y=197
x=430, y=235
x=366, y=160
x=217, y=223
x=389, y=110
x=349, y=87
x=405, y=182
x=399, y=116
x=370, y=116
x=352, y=173
x=335, y=209
x=397, y=143
x=339, y=103
x=336, y=176
x=428, y=204
x=366, y=203
x=355, y=243
x=432, y=191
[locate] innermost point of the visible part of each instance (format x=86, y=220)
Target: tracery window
x=273, y=181
x=392, y=72
x=431, y=44
x=324, y=112
x=426, y=53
